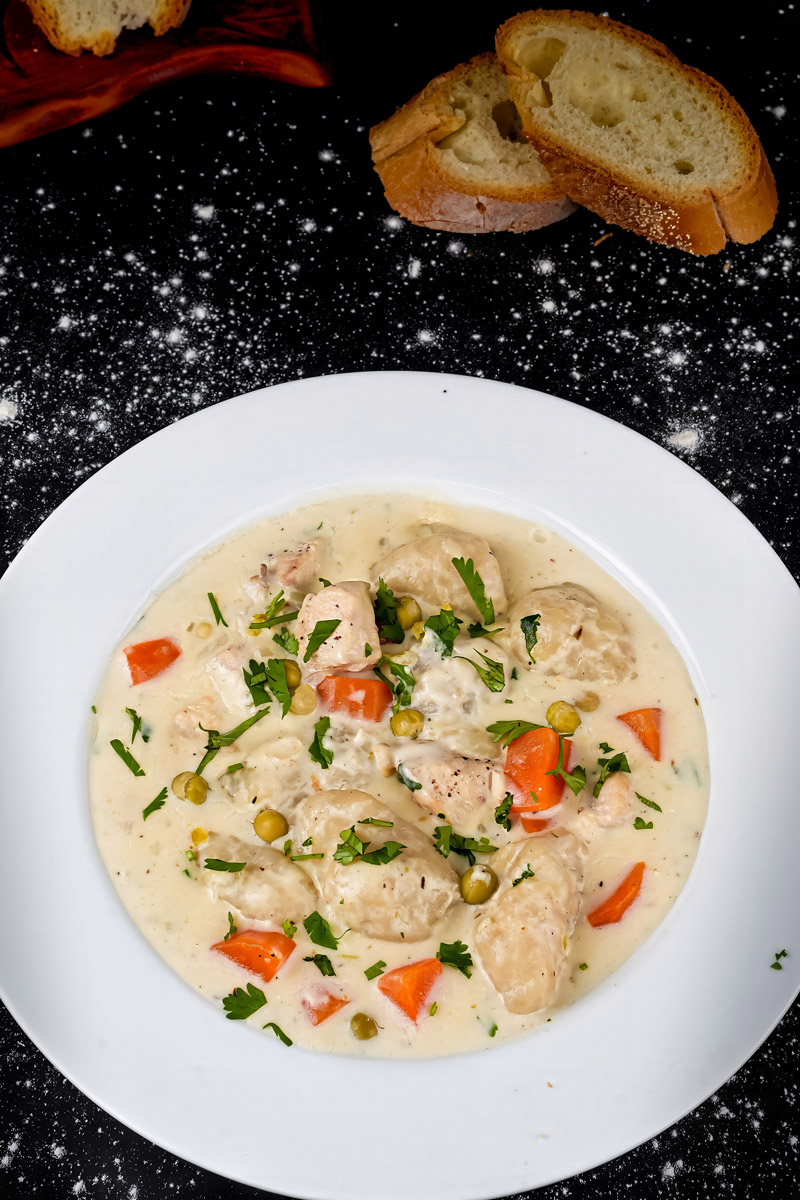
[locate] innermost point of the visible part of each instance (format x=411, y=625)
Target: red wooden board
x=42, y=89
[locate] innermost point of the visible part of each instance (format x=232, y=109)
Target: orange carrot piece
x=532, y=824
x=409, y=987
x=319, y=1009
x=614, y=908
x=261, y=952
x=528, y=759
x=148, y=659
x=364, y=699
x=646, y=724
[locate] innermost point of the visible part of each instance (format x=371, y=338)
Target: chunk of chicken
x=454, y=784
x=296, y=569
x=404, y=899
x=188, y=720
x=225, y=672
x=521, y=938
x=346, y=648
x=613, y=804
x=577, y=637
x=269, y=888
x=424, y=569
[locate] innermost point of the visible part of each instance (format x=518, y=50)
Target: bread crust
x=419, y=186
x=701, y=223
x=47, y=15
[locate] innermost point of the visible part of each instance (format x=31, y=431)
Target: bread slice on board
x=454, y=157
x=627, y=130
x=77, y=25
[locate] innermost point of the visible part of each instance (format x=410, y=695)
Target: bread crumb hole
x=506, y=118
x=539, y=55
x=683, y=167
x=677, y=115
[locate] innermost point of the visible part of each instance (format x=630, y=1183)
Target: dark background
x=225, y=234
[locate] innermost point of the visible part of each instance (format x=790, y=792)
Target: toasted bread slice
x=454, y=157
x=627, y=130
x=77, y=25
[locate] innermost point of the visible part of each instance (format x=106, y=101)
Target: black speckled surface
x=226, y=234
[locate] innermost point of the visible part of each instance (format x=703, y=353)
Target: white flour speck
x=204, y=212
x=393, y=222
x=414, y=268
x=8, y=411
x=685, y=439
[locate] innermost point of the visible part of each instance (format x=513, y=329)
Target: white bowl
x=634, y=1055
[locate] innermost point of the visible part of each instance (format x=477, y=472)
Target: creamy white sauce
x=165, y=891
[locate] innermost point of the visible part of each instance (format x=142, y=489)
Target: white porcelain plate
x=634, y=1055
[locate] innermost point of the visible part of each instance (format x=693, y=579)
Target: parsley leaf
x=352, y=849
x=455, y=954
x=389, y=628
x=304, y=857
x=367, y=649
x=231, y=927
x=608, y=766
x=404, y=687
x=220, y=864
x=576, y=781
x=217, y=740
x=218, y=617
x=155, y=805
x=255, y=679
x=287, y=641
x=273, y=615
x=474, y=585
x=319, y=931
x=233, y=768
x=289, y=928
x=649, y=803
x=444, y=626
x=779, y=954
x=508, y=731
x=325, y=582
x=479, y=631
x=526, y=874
x=640, y=823
x=136, y=721
x=583, y=966
x=276, y=1029
x=276, y=678
x=243, y=1002
x=318, y=750
x=404, y=777
x=434, y=1008
x=322, y=962
x=502, y=814
x=375, y=970
x=375, y=821
x=127, y=757
x=384, y=854
x=445, y=841
x=319, y=634
x=530, y=631
x=492, y=674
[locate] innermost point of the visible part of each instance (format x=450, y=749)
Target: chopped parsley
x=322, y=962
x=609, y=766
x=136, y=721
x=530, y=631
x=287, y=641
x=583, y=966
x=319, y=634
x=776, y=965
x=217, y=740
x=507, y=732
x=304, y=857
x=474, y=585
x=231, y=927
x=404, y=777
x=318, y=750
x=492, y=1030
x=289, y=928
x=375, y=821
x=502, y=814
x=640, y=823
x=352, y=849
x=389, y=628
x=455, y=954
x=492, y=674
x=404, y=686
x=220, y=864
x=444, y=626
x=375, y=970
x=526, y=874
x=446, y=841
x=319, y=931
x=576, y=780
x=256, y=678
x=478, y=630
x=243, y=1002
x=287, y=847
x=127, y=757
x=325, y=582
x=273, y=615
x=649, y=803
x=276, y=678
x=218, y=617
x=434, y=1008
x=367, y=649
x=155, y=805
x=233, y=768
x=276, y=1029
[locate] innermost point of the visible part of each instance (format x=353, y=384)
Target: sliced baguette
x=627, y=130
x=454, y=157
x=77, y=25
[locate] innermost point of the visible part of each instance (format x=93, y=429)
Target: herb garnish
x=404, y=687
x=220, y=864
x=218, y=617
x=286, y=639
x=444, y=626
x=243, y=1002
x=352, y=849
x=325, y=582
x=530, y=631
x=404, y=777
x=271, y=616
x=217, y=740
x=583, y=966
x=289, y=928
x=322, y=962
x=127, y=757
x=276, y=1029
x=375, y=970
x=255, y=678
x=375, y=821
x=507, y=732
x=492, y=674
x=318, y=750
x=492, y=1029
x=445, y=841
x=640, y=823
x=319, y=931
x=455, y=954
x=502, y=814
x=287, y=847
x=474, y=585
x=155, y=805
x=367, y=649
x=136, y=721
x=576, y=780
x=389, y=628
x=319, y=634
x=231, y=927
x=233, y=768
x=609, y=766
x=478, y=630
x=276, y=678
x=526, y=874
x=649, y=803
x=779, y=954
x=433, y=1009
x=303, y=857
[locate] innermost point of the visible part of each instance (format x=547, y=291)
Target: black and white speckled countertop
x=226, y=234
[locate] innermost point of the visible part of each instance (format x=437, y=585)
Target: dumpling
x=577, y=636
x=269, y=888
x=402, y=900
x=424, y=569
x=521, y=937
